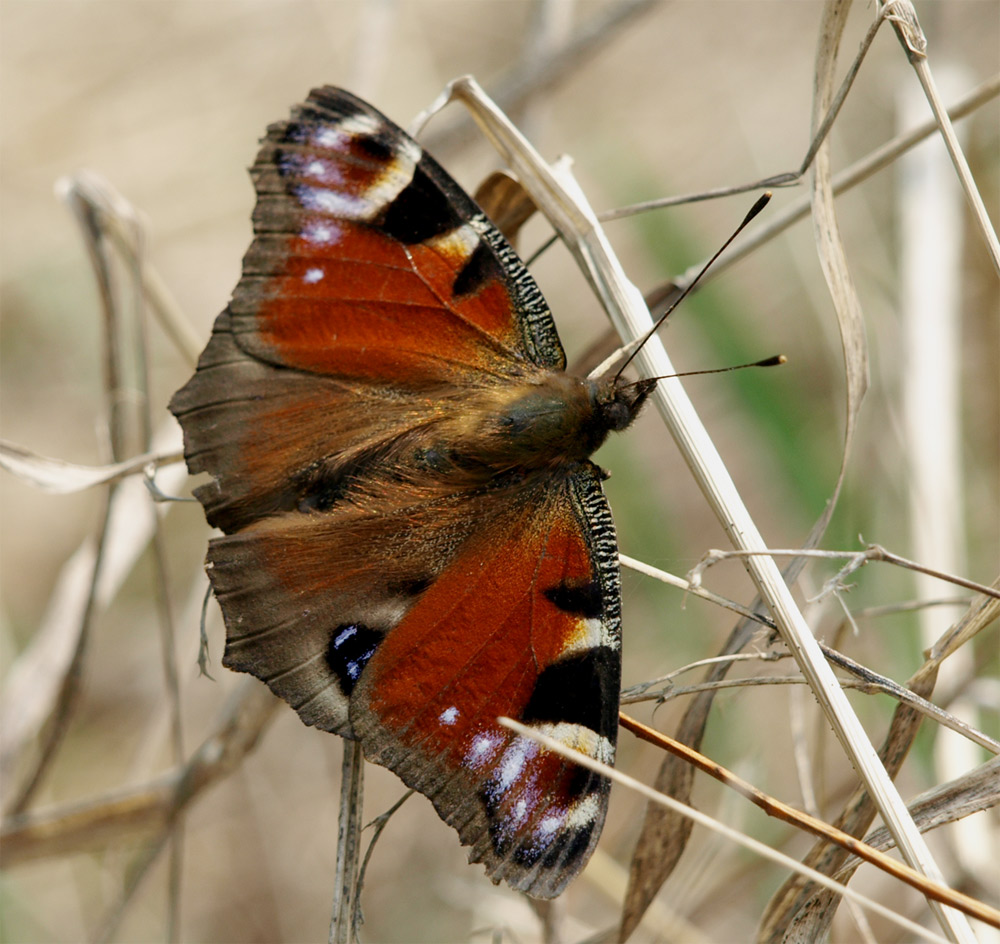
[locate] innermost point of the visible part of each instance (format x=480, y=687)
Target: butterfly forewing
x=362, y=238
x=386, y=567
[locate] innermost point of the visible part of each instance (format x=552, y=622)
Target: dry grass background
x=167, y=100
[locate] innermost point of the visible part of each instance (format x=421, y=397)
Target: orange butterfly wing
x=525, y=626
x=369, y=262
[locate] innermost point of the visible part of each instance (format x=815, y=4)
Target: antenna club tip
x=762, y=201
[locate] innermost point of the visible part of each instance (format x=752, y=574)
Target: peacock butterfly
x=414, y=539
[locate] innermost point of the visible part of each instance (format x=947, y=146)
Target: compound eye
x=617, y=415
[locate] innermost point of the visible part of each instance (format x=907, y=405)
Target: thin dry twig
x=64, y=478
x=378, y=824
x=856, y=560
x=64, y=693
x=345, y=915
x=911, y=36
x=93, y=189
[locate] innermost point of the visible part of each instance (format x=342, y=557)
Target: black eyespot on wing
x=420, y=211
x=581, y=689
x=379, y=147
x=586, y=600
x=350, y=648
x=479, y=268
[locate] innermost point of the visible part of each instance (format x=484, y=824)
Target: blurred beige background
x=167, y=101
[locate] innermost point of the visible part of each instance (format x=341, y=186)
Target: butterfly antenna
x=773, y=361
x=754, y=210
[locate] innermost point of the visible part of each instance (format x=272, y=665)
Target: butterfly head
x=617, y=401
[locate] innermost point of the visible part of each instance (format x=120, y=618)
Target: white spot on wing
x=344, y=205
x=321, y=233
x=351, y=126
x=589, y=634
x=482, y=749
x=513, y=761
x=322, y=170
x=579, y=738
x=550, y=823
x=393, y=180
x=313, y=276
x=449, y=715
x=457, y=244
x=344, y=635
x=305, y=165
x=584, y=812
x=331, y=137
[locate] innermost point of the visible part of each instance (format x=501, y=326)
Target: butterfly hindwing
x=414, y=541
x=527, y=626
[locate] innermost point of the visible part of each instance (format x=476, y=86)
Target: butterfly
x=415, y=541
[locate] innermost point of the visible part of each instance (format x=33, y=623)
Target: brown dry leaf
x=506, y=203
x=829, y=245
